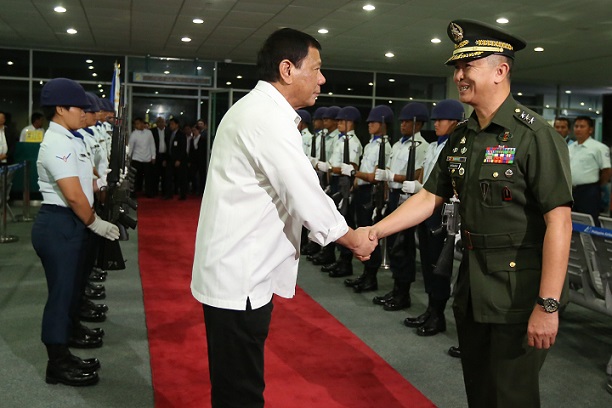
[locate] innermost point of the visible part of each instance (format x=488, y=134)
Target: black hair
x=564, y=119
x=35, y=116
x=282, y=44
x=175, y=120
x=588, y=119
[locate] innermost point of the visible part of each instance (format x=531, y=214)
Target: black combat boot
x=369, y=282
x=381, y=300
x=352, y=282
x=436, y=322
x=345, y=268
x=420, y=319
x=311, y=248
x=325, y=256
x=330, y=267
x=401, y=298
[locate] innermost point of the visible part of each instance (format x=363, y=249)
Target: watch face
x=550, y=305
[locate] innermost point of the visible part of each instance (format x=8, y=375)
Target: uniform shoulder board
x=463, y=122
x=529, y=117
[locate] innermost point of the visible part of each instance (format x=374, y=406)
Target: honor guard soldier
x=343, y=161
x=402, y=251
x=516, y=223
x=303, y=128
x=327, y=255
x=446, y=114
x=63, y=225
x=366, y=189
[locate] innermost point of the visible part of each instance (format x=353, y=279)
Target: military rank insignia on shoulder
x=528, y=117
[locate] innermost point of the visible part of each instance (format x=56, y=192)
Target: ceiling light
x=71, y=31
x=369, y=7
x=10, y=63
x=103, y=95
x=89, y=61
x=323, y=31
x=198, y=21
x=91, y=67
x=434, y=104
x=101, y=90
x=41, y=82
x=597, y=112
x=185, y=39
x=390, y=101
x=166, y=72
x=99, y=85
x=228, y=83
x=547, y=106
x=94, y=75
x=59, y=9
x=410, y=98
x=156, y=92
x=538, y=49
x=391, y=80
x=436, y=40
x=349, y=89
x=520, y=94
x=389, y=55
x=568, y=92
x=371, y=83
x=330, y=93
x=238, y=76
x=590, y=109
x=581, y=103
x=199, y=68
x=502, y=20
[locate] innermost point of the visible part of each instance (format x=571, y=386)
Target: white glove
x=383, y=175
x=101, y=181
x=104, y=229
x=122, y=175
x=323, y=166
x=313, y=161
x=127, y=150
x=411, y=186
x=347, y=169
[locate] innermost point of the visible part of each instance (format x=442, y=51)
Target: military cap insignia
x=456, y=32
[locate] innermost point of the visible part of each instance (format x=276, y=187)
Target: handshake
x=361, y=242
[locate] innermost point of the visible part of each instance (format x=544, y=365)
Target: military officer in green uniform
x=510, y=171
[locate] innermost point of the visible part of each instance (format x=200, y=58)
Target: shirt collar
x=504, y=116
x=269, y=89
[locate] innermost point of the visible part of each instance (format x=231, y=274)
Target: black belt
x=498, y=241
x=56, y=209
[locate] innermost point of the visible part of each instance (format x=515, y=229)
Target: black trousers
x=145, y=173
x=587, y=199
x=430, y=247
x=363, y=212
x=236, y=341
x=60, y=239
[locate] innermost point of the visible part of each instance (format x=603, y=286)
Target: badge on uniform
x=527, y=117
x=504, y=137
x=456, y=159
x=500, y=155
x=64, y=158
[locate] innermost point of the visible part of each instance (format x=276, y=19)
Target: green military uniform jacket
x=507, y=176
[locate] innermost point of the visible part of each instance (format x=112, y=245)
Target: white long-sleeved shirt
x=3, y=143
x=260, y=190
x=142, y=145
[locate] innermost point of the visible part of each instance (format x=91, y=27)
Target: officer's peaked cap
x=331, y=112
x=63, y=92
x=305, y=115
x=93, y=102
x=349, y=113
x=319, y=112
x=414, y=110
x=448, y=109
x=474, y=40
x=380, y=113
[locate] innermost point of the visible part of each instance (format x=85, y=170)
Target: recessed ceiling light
x=199, y=68
x=323, y=31
x=502, y=20
x=330, y=93
x=581, y=103
x=436, y=40
x=410, y=98
x=538, y=49
x=89, y=61
x=389, y=55
x=390, y=101
x=349, y=89
x=568, y=92
x=520, y=94
x=238, y=76
x=71, y=31
x=156, y=92
x=103, y=95
x=91, y=67
x=369, y=7
x=10, y=63
x=597, y=112
x=198, y=21
x=391, y=80
x=99, y=85
x=101, y=90
x=94, y=75
x=166, y=72
x=185, y=39
x=228, y=83
x=371, y=83
x=59, y=9
x=434, y=104
x=547, y=106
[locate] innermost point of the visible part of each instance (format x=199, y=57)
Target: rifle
x=378, y=191
x=411, y=167
x=345, y=182
x=116, y=197
x=323, y=176
x=450, y=222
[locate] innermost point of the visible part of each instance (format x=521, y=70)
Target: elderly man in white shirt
x=142, y=149
x=260, y=190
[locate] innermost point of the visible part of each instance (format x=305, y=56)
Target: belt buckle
x=468, y=238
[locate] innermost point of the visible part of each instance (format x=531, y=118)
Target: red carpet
x=312, y=360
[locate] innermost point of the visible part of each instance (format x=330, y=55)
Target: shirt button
x=512, y=264
x=495, y=174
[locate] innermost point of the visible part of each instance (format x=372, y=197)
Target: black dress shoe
x=344, y=269
x=66, y=372
x=352, y=282
x=98, y=287
x=97, y=277
x=85, y=341
x=323, y=259
x=89, y=315
x=434, y=325
x=79, y=328
x=330, y=267
x=311, y=248
x=381, y=300
x=87, y=365
x=397, y=303
x=417, y=321
x=368, y=284
x=454, y=351
x=98, y=307
x=90, y=293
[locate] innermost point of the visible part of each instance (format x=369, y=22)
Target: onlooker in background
x=161, y=135
x=176, y=165
x=34, y=131
x=142, y=150
x=4, y=148
x=563, y=126
x=590, y=166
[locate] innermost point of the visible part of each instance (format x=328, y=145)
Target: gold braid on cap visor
x=481, y=49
